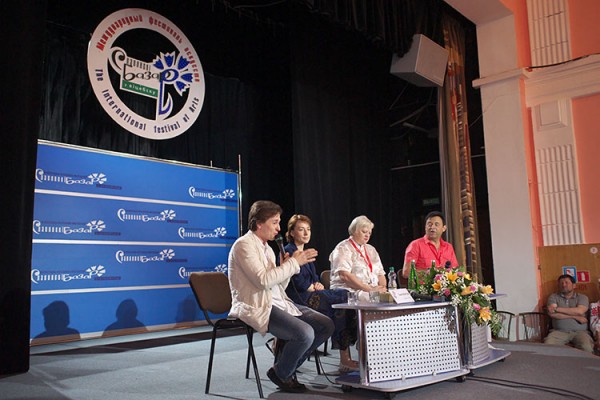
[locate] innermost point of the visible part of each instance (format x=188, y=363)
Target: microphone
x=279, y=241
x=448, y=264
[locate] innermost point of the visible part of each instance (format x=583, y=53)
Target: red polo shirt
x=422, y=250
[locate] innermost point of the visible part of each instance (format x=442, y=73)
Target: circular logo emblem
x=146, y=74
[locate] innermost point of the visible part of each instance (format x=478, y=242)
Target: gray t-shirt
x=569, y=324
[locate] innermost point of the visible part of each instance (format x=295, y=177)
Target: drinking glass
x=352, y=298
x=374, y=297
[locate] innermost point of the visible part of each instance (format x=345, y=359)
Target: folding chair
x=214, y=296
x=506, y=319
x=536, y=326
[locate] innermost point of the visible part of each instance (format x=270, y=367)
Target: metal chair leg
x=210, y=359
x=251, y=356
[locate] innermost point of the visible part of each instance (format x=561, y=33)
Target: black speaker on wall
x=424, y=64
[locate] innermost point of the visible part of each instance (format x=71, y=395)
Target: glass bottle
x=392, y=281
x=412, y=276
x=432, y=271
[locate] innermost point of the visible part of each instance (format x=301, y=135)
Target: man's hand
x=552, y=308
x=580, y=319
x=305, y=256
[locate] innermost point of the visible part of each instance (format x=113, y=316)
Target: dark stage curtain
x=341, y=88
x=22, y=28
x=389, y=23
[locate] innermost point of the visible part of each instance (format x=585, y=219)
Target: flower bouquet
x=459, y=287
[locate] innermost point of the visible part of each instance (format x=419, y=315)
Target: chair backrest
x=506, y=322
x=326, y=278
x=535, y=325
x=212, y=292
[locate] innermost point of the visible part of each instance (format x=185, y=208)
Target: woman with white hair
x=355, y=264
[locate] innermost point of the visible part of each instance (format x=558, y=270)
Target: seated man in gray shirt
x=568, y=311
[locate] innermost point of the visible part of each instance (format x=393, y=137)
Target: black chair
x=506, y=321
x=325, y=278
x=214, y=296
x=536, y=326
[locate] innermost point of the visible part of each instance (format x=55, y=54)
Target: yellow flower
x=466, y=291
x=452, y=276
x=437, y=286
x=467, y=276
x=487, y=289
x=485, y=314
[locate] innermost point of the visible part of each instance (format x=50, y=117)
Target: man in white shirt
x=259, y=298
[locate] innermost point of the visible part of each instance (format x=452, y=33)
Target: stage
x=173, y=365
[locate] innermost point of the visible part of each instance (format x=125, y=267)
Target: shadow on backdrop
x=187, y=312
x=56, y=321
x=127, y=312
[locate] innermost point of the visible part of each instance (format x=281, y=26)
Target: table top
x=365, y=305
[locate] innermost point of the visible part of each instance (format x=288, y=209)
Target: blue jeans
x=303, y=334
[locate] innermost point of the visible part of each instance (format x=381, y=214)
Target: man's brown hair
x=261, y=211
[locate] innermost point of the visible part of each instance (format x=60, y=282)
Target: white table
x=405, y=346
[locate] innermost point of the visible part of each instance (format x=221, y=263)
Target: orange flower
x=437, y=286
x=452, y=276
x=487, y=289
x=485, y=314
x=466, y=291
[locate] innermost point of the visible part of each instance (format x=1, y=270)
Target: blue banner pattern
x=115, y=238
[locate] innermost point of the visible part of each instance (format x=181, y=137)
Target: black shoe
x=287, y=385
x=294, y=380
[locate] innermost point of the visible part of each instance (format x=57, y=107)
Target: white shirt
x=345, y=257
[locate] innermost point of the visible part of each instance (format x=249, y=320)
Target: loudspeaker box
x=423, y=65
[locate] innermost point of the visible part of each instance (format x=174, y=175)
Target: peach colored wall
x=584, y=21
x=586, y=122
x=584, y=18
x=519, y=10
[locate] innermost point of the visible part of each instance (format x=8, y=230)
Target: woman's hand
x=318, y=286
x=380, y=289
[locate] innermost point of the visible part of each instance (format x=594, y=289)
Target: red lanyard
x=364, y=256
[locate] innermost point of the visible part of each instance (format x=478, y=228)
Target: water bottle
x=392, y=282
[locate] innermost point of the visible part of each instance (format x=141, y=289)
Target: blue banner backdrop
x=115, y=238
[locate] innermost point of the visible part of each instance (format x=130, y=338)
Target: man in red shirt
x=430, y=247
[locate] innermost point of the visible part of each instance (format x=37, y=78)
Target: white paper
x=401, y=296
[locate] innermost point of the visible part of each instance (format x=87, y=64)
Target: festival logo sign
x=68, y=228
x=146, y=73
x=184, y=273
x=93, y=272
x=226, y=195
x=143, y=257
x=200, y=233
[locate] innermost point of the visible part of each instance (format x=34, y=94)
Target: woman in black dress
x=305, y=288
